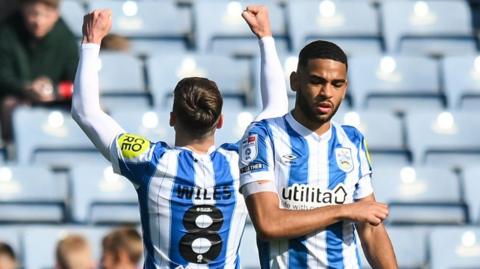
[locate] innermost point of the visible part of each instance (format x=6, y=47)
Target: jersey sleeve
x=256, y=161
x=364, y=186
x=133, y=157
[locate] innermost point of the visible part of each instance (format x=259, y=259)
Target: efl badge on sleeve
x=344, y=159
x=249, y=149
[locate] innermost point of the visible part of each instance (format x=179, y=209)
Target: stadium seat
x=400, y=83
x=420, y=195
x=100, y=196
x=234, y=124
x=386, y=144
x=40, y=243
x=153, y=124
x=227, y=33
x=31, y=193
x=427, y=27
x=11, y=235
x=50, y=137
x=232, y=76
x=121, y=80
x=248, y=248
x=444, y=139
x=72, y=13
x=462, y=82
x=455, y=247
x=471, y=185
x=161, y=23
x=351, y=24
x=410, y=246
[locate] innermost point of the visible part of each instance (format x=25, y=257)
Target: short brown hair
x=52, y=3
x=197, y=104
x=67, y=246
x=7, y=250
x=127, y=239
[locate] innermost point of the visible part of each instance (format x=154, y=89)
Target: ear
x=220, y=122
x=173, y=119
x=294, y=81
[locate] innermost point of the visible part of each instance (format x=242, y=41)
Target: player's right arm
x=99, y=127
x=270, y=220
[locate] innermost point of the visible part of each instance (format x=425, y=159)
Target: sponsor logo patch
x=344, y=159
x=132, y=145
x=249, y=149
x=251, y=167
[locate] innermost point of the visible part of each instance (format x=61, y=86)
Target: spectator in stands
x=122, y=249
x=73, y=252
x=37, y=53
x=7, y=257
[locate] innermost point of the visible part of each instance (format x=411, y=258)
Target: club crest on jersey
x=344, y=159
x=249, y=149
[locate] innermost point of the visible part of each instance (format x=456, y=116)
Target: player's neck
x=198, y=145
x=317, y=127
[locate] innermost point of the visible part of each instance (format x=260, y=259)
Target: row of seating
x=411, y=27
x=440, y=247
x=436, y=138
x=402, y=83
x=91, y=193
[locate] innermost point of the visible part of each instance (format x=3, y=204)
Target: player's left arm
x=272, y=81
x=376, y=244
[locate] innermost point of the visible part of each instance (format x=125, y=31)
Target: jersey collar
x=304, y=131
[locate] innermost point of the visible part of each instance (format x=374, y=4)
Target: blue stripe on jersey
x=178, y=207
x=147, y=169
x=223, y=180
x=231, y=146
x=334, y=231
x=297, y=251
x=264, y=253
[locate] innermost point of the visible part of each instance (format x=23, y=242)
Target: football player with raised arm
x=307, y=180
x=192, y=213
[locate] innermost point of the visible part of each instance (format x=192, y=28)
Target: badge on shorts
x=249, y=149
x=344, y=159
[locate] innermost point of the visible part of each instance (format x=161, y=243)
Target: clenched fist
x=96, y=25
x=257, y=19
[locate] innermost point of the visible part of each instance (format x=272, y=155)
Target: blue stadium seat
x=153, y=124
x=471, y=184
x=40, y=243
x=248, y=248
x=72, y=13
x=234, y=124
x=420, y=195
x=227, y=32
x=351, y=24
x=162, y=23
x=31, y=194
x=232, y=76
x=444, y=139
x=427, y=27
x=455, y=247
x=11, y=235
x=386, y=144
x=121, y=80
x=100, y=196
x=462, y=82
x=410, y=246
x=395, y=83
x=50, y=137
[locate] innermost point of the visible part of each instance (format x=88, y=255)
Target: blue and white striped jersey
x=309, y=171
x=192, y=216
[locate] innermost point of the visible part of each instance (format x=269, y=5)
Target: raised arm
x=272, y=81
x=86, y=111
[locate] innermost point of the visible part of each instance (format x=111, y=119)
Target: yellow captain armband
x=132, y=146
